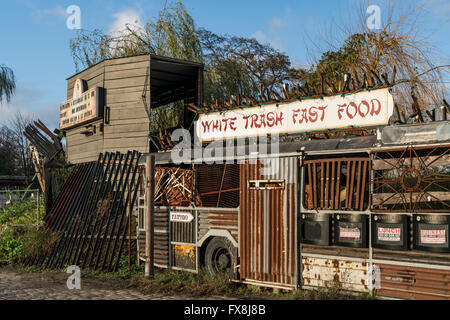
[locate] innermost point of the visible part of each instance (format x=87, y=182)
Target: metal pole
x=149, y=215
x=129, y=227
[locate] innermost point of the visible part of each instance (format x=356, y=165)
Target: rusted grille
x=218, y=185
x=183, y=232
x=161, y=237
x=411, y=180
x=337, y=184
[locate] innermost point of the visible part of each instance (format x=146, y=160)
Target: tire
x=220, y=257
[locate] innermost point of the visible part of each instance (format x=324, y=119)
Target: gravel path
x=52, y=286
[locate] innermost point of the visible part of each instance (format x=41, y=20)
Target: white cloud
x=275, y=30
x=260, y=36
x=48, y=14
x=26, y=101
x=129, y=16
x=276, y=23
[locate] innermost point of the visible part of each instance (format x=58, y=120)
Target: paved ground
x=52, y=286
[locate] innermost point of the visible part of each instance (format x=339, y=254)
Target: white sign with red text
x=362, y=109
x=433, y=236
x=181, y=217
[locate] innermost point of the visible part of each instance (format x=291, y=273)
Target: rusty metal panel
x=412, y=179
x=414, y=283
x=183, y=232
x=184, y=256
x=161, y=237
x=333, y=273
x=337, y=184
x=218, y=185
x=268, y=223
x=216, y=219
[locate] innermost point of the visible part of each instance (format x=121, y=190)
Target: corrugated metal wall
x=210, y=219
x=268, y=224
x=161, y=237
x=406, y=282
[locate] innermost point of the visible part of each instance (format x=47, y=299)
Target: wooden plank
x=86, y=148
x=322, y=177
x=80, y=140
x=357, y=193
x=137, y=127
x=87, y=73
x=128, y=73
x=333, y=184
x=122, y=91
x=363, y=188
x=128, y=143
x=132, y=121
x=132, y=112
x=83, y=157
x=124, y=99
x=314, y=184
x=128, y=66
x=338, y=184
x=349, y=166
x=126, y=82
x=129, y=134
x=127, y=60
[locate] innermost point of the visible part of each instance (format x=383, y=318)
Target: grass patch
x=179, y=283
x=17, y=229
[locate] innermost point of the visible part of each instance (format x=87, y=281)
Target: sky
x=34, y=37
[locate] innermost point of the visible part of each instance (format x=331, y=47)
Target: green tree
x=234, y=65
x=397, y=54
x=239, y=66
x=171, y=34
x=7, y=83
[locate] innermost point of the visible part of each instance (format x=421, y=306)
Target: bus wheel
x=220, y=257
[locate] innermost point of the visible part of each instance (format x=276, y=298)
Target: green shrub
x=11, y=245
x=18, y=229
x=39, y=241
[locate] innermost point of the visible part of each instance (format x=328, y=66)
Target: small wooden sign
x=181, y=217
x=85, y=106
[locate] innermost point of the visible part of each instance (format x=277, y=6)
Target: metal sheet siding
x=161, y=237
x=333, y=273
x=215, y=219
x=268, y=224
x=414, y=283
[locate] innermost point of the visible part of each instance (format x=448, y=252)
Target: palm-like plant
x=7, y=83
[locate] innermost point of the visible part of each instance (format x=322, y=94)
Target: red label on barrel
x=353, y=233
x=433, y=236
x=389, y=234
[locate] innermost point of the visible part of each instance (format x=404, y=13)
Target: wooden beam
x=150, y=216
